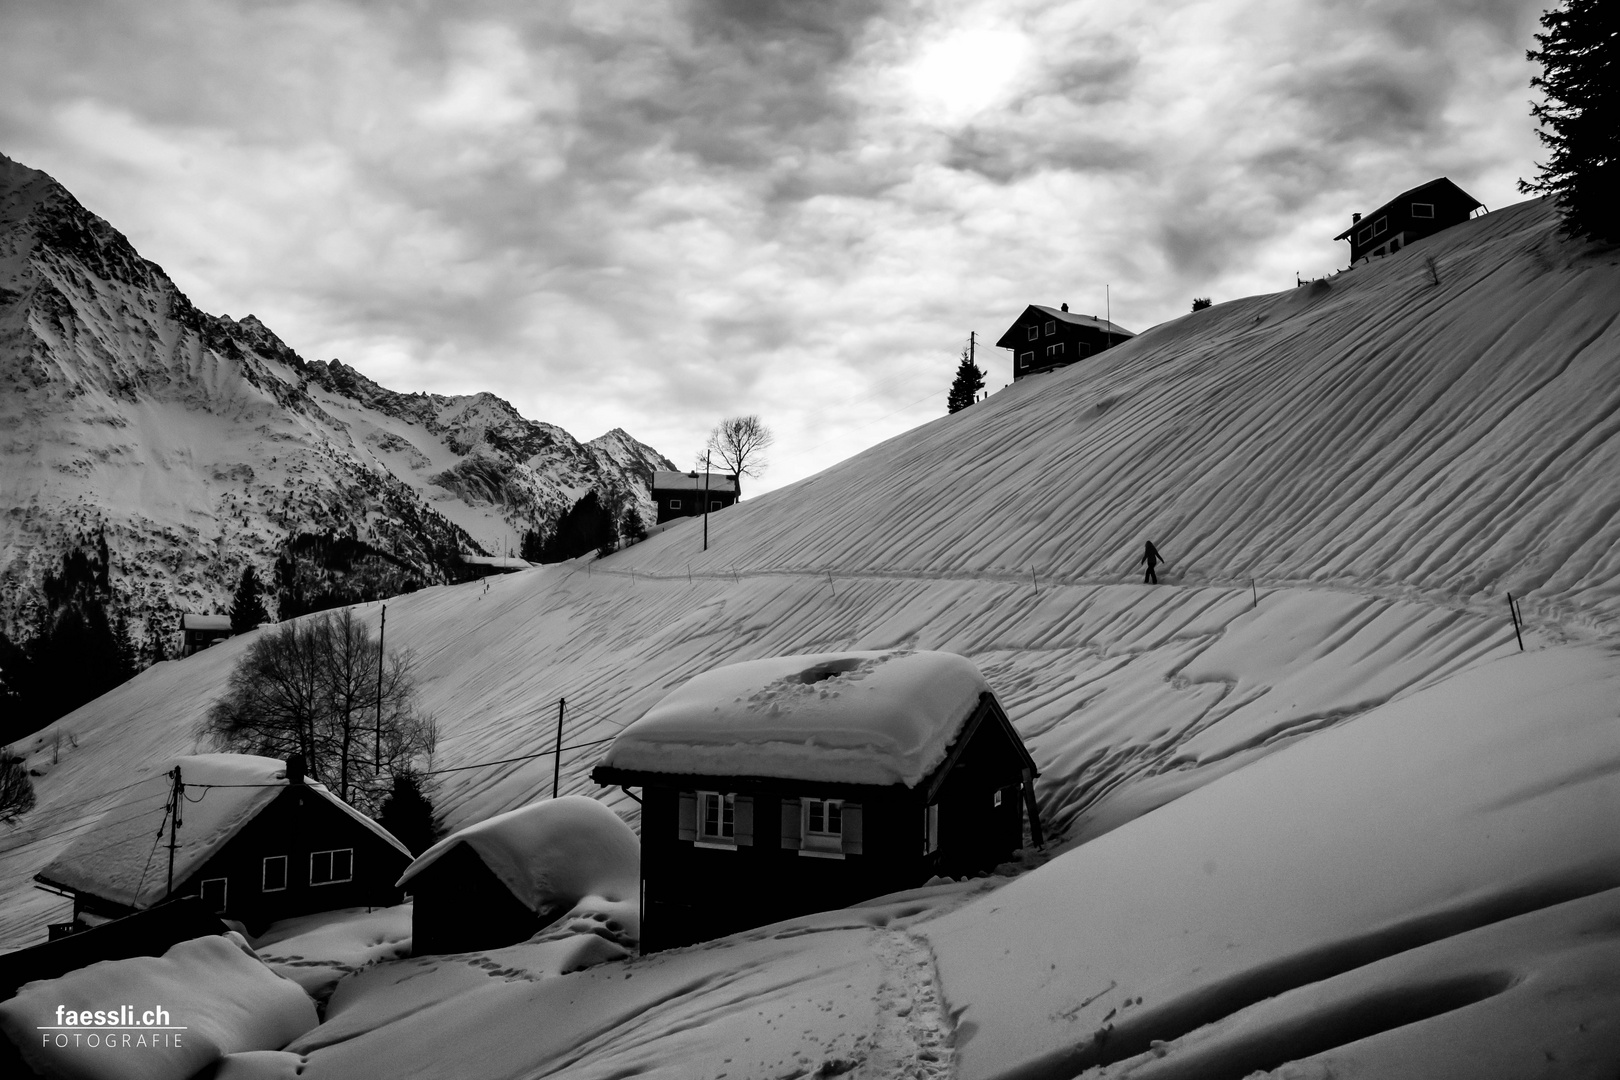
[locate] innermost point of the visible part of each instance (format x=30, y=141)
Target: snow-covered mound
x=215, y=991
x=202, y=441
x=115, y=858
x=853, y=717
x=554, y=852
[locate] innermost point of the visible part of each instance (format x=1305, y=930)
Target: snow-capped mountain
x=201, y=442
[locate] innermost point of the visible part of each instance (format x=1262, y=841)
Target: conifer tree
x=407, y=813
x=969, y=381
x=1580, y=59
x=632, y=530
x=247, y=607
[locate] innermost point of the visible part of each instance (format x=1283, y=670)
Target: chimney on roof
x=1354, y=218
x=1065, y=307
x=295, y=769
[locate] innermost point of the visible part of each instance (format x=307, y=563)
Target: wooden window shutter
x=743, y=821
x=790, y=824
x=852, y=828
x=686, y=819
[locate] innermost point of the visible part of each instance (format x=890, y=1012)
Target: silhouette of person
x=1152, y=558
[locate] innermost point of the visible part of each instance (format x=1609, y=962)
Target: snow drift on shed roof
x=855, y=717
x=718, y=483
x=117, y=858
x=551, y=852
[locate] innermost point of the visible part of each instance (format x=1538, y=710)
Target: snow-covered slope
x=1383, y=457
x=202, y=441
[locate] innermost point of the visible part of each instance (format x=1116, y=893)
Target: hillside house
x=197, y=632
x=254, y=839
x=681, y=494
x=503, y=879
x=1410, y=216
x=1045, y=338
x=777, y=787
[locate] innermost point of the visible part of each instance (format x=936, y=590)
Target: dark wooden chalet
x=681, y=494
x=728, y=848
x=1411, y=215
x=197, y=632
x=1045, y=338
x=478, y=887
x=254, y=840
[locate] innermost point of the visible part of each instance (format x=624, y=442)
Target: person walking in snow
x=1152, y=558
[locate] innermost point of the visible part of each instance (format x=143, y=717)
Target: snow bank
x=214, y=988
x=315, y=951
x=853, y=717
x=115, y=859
x=551, y=853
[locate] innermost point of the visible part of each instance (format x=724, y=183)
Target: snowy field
x=1333, y=817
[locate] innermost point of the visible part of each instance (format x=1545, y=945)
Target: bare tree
x=16, y=788
x=311, y=688
x=740, y=442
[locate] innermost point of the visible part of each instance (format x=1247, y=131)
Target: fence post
x=1513, y=610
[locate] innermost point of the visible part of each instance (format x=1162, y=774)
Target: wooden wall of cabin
x=978, y=830
x=297, y=823
x=458, y=904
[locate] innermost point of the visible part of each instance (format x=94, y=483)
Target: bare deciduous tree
x=740, y=442
x=311, y=688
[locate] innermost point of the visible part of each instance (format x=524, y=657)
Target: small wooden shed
x=777, y=787
x=255, y=840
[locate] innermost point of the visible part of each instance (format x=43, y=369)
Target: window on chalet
x=331, y=867
x=931, y=829
x=714, y=504
x=674, y=504
x=1051, y=328
x=717, y=818
x=1034, y=332
x=823, y=825
x=1025, y=358
x=274, y=876
x=822, y=828
x=1380, y=225
x=1364, y=235
x=1423, y=210
x=1055, y=350
x=213, y=892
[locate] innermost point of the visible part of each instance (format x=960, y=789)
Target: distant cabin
x=255, y=840
x=1410, y=216
x=502, y=880
x=1045, y=338
x=197, y=632
x=681, y=494
x=777, y=787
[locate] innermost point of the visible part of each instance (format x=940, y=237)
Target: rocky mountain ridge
x=199, y=443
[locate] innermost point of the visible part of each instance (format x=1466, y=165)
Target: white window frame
x=1051, y=327
x=264, y=874
x=724, y=802
x=996, y=801
x=714, y=504
x=930, y=828
x=1423, y=210
x=224, y=891
x=1380, y=226
x=1034, y=332
x=331, y=866
x=1055, y=350
x=674, y=504
x=1365, y=234
x=1024, y=359
x=823, y=841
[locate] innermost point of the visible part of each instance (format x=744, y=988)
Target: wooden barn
x=197, y=632
x=1045, y=338
x=681, y=494
x=254, y=839
x=804, y=783
x=504, y=879
x=1410, y=216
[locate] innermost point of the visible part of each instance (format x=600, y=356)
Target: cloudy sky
x=656, y=213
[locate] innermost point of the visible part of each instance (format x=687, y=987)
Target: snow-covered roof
x=853, y=717
x=1094, y=321
x=190, y=621
x=719, y=483
x=118, y=858
x=551, y=852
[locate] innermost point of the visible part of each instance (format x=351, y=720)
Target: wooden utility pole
x=705, y=500
x=971, y=359
x=556, y=759
x=177, y=796
x=382, y=630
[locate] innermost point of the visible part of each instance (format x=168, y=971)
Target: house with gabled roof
x=254, y=839
x=1410, y=216
x=687, y=494
x=781, y=786
x=1046, y=338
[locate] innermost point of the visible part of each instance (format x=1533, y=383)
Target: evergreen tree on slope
x=1580, y=58
x=247, y=607
x=969, y=381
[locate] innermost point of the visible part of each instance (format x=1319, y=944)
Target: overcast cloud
x=651, y=214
